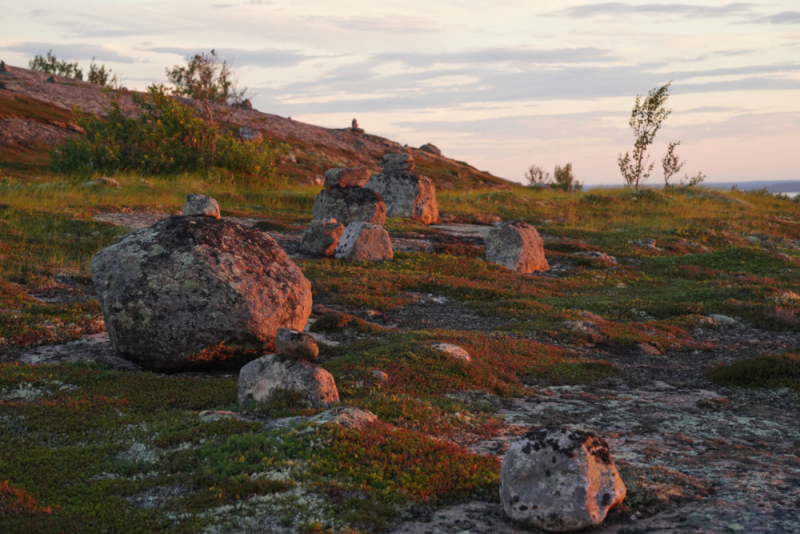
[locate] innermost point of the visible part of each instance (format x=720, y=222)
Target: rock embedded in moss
x=269, y=375
x=196, y=205
x=350, y=204
x=453, y=351
x=559, y=480
x=397, y=162
x=346, y=177
x=407, y=194
x=296, y=344
x=321, y=237
x=189, y=291
x=345, y=416
x=517, y=246
x=364, y=242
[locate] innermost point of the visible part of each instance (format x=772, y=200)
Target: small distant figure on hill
x=355, y=128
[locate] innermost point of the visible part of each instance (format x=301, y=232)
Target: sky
x=500, y=84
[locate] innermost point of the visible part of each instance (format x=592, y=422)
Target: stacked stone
x=348, y=219
x=406, y=193
x=291, y=369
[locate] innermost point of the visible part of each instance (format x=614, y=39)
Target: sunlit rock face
x=364, y=242
x=559, y=480
x=516, y=245
x=407, y=194
x=189, y=291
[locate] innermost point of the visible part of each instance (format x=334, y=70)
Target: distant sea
x=787, y=187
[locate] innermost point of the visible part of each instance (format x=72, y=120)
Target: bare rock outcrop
x=559, y=480
x=516, y=245
x=261, y=379
x=349, y=204
x=193, y=290
x=364, y=242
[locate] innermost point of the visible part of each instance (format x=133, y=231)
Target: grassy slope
x=90, y=456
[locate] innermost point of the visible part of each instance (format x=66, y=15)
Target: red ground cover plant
x=401, y=464
x=14, y=500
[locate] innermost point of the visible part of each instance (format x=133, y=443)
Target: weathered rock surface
x=516, y=245
x=407, y=194
x=454, y=351
x=321, y=237
x=347, y=177
x=349, y=204
x=197, y=205
x=296, y=344
x=260, y=379
x=194, y=290
x=397, y=162
x=559, y=480
x=364, y=242
x=346, y=416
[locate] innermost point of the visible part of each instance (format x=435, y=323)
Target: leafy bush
x=52, y=65
x=165, y=138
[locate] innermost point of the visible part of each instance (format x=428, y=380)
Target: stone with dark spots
x=321, y=237
x=262, y=379
x=559, y=480
x=346, y=177
x=517, y=246
x=350, y=204
x=407, y=194
x=201, y=205
x=397, y=162
x=296, y=344
x=189, y=291
x=363, y=241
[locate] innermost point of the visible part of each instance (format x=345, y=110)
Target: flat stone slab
x=92, y=349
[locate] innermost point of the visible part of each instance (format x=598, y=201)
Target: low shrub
x=166, y=137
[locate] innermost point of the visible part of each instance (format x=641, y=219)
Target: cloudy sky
x=501, y=84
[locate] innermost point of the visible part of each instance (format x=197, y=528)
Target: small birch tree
x=646, y=119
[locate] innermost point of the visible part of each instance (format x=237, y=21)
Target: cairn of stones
x=348, y=220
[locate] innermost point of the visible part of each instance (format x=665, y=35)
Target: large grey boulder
x=347, y=177
x=201, y=205
x=516, y=245
x=296, y=344
x=193, y=290
x=273, y=374
x=321, y=237
x=364, y=242
x=431, y=149
x=348, y=204
x=397, y=162
x=559, y=480
x=407, y=194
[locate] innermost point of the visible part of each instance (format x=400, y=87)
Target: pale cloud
x=616, y=9
x=70, y=51
x=240, y=57
x=785, y=17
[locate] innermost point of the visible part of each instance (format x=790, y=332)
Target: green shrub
x=165, y=138
x=760, y=372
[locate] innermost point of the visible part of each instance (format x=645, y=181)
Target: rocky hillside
x=35, y=113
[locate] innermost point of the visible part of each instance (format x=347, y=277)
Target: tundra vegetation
x=88, y=449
